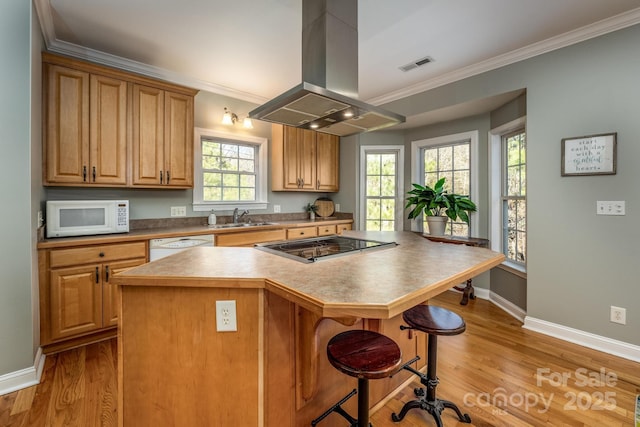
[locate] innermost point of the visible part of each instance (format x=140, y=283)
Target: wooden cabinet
x=249, y=238
x=162, y=138
x=109, y=128
x=302, y=232
x=328, y=162
x=304, y=160
x=85, y=128
x=326, y=230
x=343, y=227
x=77, y=298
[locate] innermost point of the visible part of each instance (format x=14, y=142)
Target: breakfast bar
x=177, y=368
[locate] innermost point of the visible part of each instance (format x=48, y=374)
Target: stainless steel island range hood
x=325, y=100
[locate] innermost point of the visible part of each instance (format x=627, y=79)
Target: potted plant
x=438, y=205
x=312, y=209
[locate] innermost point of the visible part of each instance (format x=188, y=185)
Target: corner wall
x=16, y=254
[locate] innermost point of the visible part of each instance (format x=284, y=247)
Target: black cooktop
x=311, y=250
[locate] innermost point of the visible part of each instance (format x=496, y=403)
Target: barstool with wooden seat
x=366, y=355
x=433, y=321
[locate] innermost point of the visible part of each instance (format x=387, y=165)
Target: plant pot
x=437, y=225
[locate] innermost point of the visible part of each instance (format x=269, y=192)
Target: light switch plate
x=178, y=211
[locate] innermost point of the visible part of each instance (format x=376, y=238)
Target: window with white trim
x=382, y=188
x=507, y=192
x=453, y=157
x=230, y=171
x=514, y=200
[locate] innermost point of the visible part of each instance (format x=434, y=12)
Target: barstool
x=366, y=355
x=433, y=321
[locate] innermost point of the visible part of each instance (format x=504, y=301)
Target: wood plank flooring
x=499, y=373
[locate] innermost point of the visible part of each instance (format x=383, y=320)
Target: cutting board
x=326, y=208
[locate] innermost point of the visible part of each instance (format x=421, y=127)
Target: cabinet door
x=328, y=162
x=108, y=131
x=110, y=298
x=66, y=125
x=76, y=300
x=178, y=140
x=148, y=135
x=290, y=158
x=307, y=158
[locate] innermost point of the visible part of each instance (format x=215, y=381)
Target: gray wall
x=17, y=225
x=579, y=263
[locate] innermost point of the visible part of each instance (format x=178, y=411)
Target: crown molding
x=605, y=26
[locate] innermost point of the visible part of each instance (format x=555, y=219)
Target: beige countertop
x=157, y=233
x=376, y=284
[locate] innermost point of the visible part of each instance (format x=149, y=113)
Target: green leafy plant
x=437, y=201
x=311, y=208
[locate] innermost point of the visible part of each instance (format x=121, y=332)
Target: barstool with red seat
x=366, y=355
x=434, y=321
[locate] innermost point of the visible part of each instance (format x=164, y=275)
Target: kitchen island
x=176, y=369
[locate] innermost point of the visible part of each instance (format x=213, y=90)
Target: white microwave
x=86, y=217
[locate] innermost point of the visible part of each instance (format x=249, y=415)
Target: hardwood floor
x=499, y=373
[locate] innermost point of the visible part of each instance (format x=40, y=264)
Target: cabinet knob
x=106, y=273
x=94, y=174
x=101, y=254
x=168, y=177
x=97, y=275
x=161, y=177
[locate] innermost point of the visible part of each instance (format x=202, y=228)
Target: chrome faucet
x=237, y=217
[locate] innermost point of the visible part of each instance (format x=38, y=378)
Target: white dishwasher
x=160, y=248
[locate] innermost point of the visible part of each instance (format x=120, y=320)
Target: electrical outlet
x=178, y=211
x=276, y=208
x=226, y=316
x=618, y=315
x=337, y=207
x=610, y=208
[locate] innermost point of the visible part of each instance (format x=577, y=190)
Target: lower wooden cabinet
x=77, y=298
x=249, y=238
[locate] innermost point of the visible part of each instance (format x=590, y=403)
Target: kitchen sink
x=242, y=225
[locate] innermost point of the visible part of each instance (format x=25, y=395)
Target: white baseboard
x=23, y=378
x=585, y=339
x=565, y=333
x=508, y=306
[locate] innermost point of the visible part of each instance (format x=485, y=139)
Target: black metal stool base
x=427, y=396
x=435, y=408
x=337, y=408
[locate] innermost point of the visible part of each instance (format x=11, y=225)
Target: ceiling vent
x=417, y=63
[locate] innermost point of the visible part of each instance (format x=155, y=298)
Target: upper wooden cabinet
x=106, y=127
x=304, y=160
x=162, y=138
x=86, y=128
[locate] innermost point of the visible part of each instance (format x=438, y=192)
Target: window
x=382, y=190
x=451, y=161
x=230, y=171
x=514, y=203
x=452, y=157
x=507, y=193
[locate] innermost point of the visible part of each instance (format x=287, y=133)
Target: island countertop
x=376, y=284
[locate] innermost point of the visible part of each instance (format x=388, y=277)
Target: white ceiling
x=251, y=50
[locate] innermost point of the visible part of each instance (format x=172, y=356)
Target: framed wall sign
x=589, y=155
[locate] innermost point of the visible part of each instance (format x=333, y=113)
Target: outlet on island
x=226, y=316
